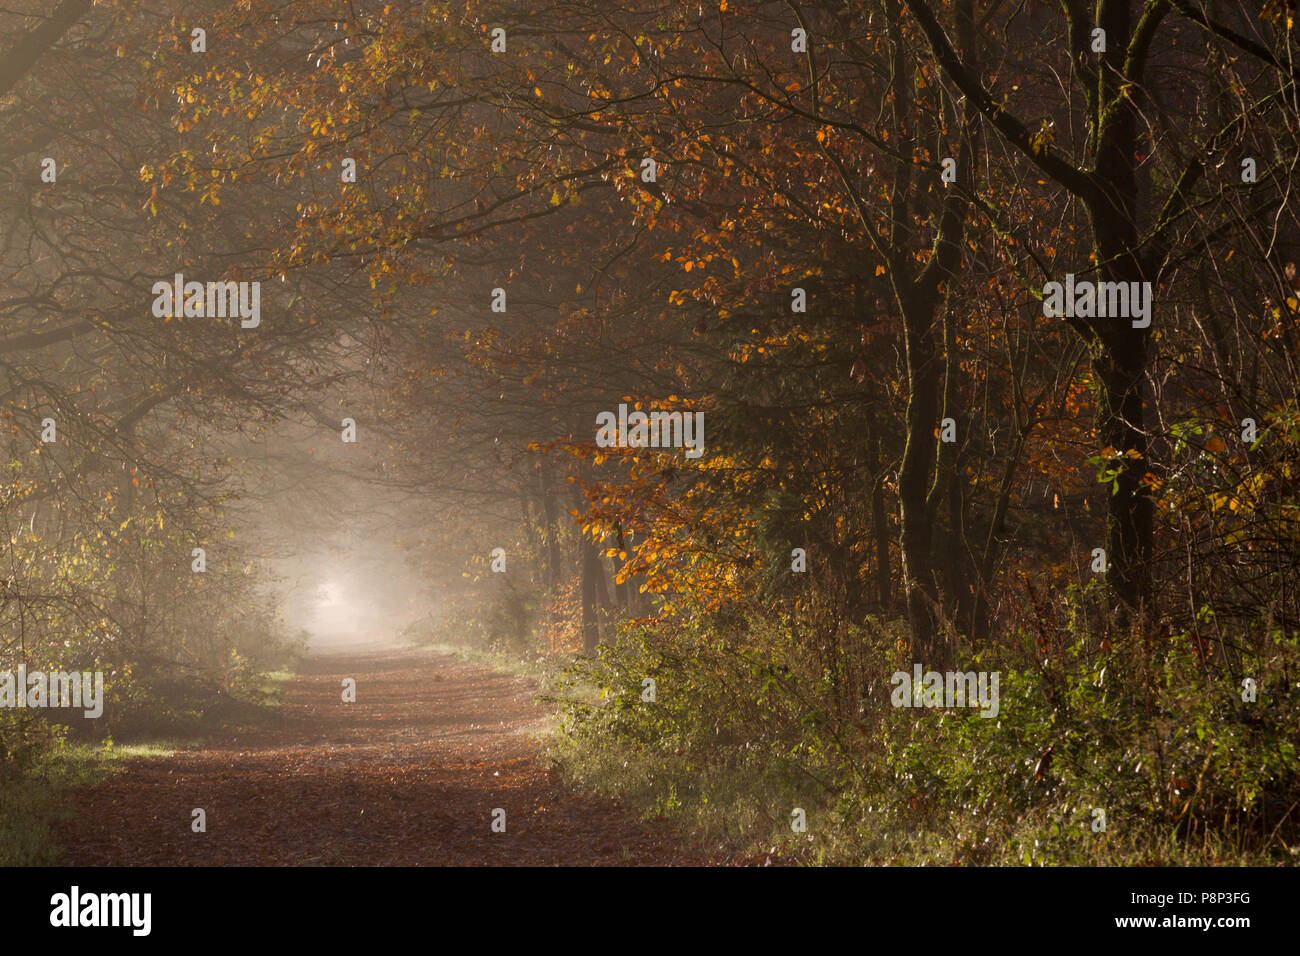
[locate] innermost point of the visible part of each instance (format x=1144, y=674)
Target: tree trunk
x=880, y=527
x=1120, y=367
x=622, y=590
x=1120, y=351
x=589, y=563
x=552, y=531
x=914, y=478
x=922, y=485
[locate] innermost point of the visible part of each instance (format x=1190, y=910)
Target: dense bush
x=739, y=736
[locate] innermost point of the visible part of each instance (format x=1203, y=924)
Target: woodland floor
x=408, y=775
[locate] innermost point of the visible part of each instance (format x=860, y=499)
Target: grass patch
x=47, y=766
x=31, y=801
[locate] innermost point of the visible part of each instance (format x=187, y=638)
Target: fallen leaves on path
x=407, y=776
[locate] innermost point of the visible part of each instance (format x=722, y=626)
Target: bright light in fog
x=337, y=611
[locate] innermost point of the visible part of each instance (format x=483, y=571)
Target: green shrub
x=747, y=726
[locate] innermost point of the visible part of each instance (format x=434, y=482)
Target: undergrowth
x=1099, y=754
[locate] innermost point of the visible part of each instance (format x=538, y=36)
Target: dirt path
x=408, y=775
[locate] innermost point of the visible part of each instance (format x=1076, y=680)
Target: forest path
x=408, y=775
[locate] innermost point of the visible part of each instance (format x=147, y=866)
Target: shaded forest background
x=740, y=208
